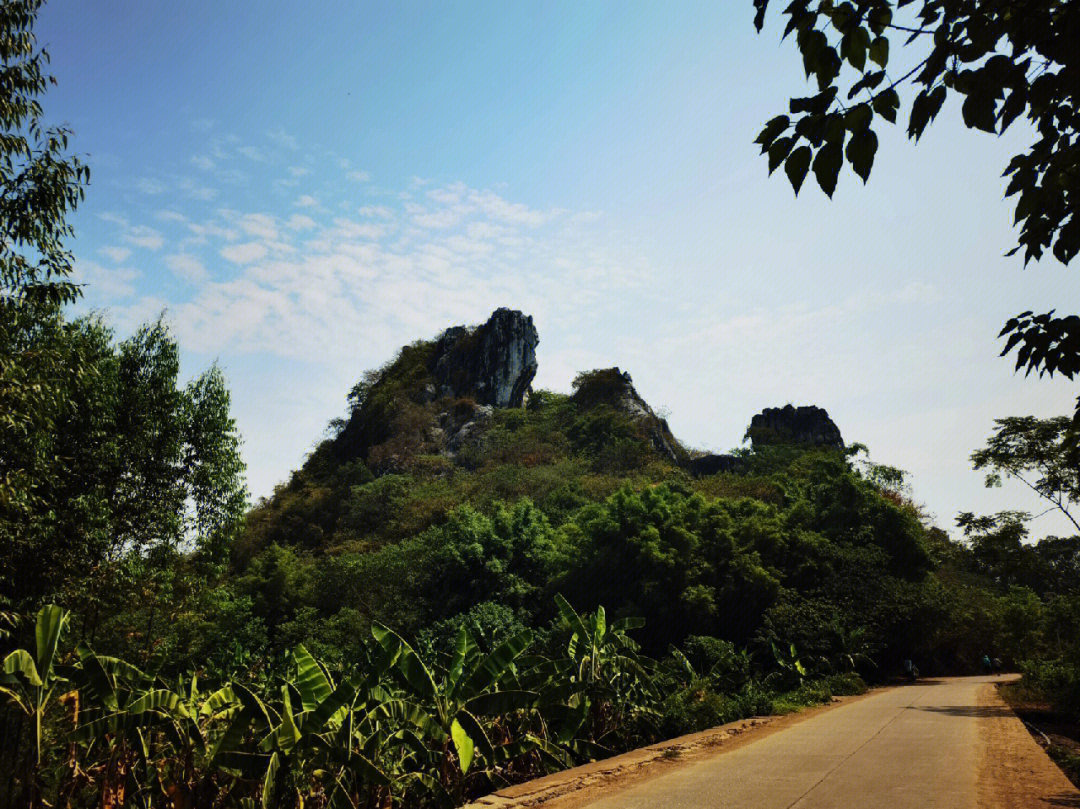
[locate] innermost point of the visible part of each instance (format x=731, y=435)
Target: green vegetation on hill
x=425, y=526
x=395, y=624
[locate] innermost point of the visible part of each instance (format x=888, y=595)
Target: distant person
x=986, y=664
x=910, y=670
x=995, y=665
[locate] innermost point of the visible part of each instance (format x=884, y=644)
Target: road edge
x=579, y=785
x=1013, y=771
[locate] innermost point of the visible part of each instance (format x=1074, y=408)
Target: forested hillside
x=469, y=582
x=484, y=582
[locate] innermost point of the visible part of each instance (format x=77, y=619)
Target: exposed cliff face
x=437, y=397
x=493, y=364
x=794, y=425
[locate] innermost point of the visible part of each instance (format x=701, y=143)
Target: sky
x=302, y=188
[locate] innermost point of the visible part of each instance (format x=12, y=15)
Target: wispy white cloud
x=145, y=237
x=299, y=221
x=150, y=185
x=186, y=266
x=261, y=225
x=197, y=190
x=279, y=137
x=252, y=153
x=202, y=162
x=306, y=201
x=299, y=171
x=244, y=253
x=138, y=235
x=358, y=176
x=300, y=287
x=115, y=282
x=116, y=254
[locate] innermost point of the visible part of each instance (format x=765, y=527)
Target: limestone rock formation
x=613, y=387
x=794, y=425
x=493, y=364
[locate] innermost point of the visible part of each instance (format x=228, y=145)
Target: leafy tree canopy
x=1036, y=452
x=1002, y=60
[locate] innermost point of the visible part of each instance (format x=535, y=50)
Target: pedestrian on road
x=986, y=664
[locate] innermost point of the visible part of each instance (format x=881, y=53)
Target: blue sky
x=303, y=188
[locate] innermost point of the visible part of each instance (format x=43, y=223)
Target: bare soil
x=1014, y=771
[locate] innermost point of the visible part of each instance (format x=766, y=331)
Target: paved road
x=917, y=746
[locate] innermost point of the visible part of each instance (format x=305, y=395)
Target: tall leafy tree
x=40, y=184
x=1002, y=60
x=1037, y=453
x=137, y=464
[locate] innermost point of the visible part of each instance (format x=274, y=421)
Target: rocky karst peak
x=493, y=364
x=794, y=425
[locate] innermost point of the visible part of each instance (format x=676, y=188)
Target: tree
x=131, y=462
x=1002, y=59
x=1036, y=452
x=40, y=183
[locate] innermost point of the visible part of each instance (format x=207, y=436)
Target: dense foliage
x=394, y=625
x=1003, y=61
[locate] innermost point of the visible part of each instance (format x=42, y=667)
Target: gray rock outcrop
x=493, y=364
x=711, y=464
x=794, y=425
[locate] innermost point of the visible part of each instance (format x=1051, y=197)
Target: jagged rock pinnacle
x=494, y=364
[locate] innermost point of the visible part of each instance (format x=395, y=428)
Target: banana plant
x=790, y=671
x=459, y=709
x=602, y=665
x=31, y=681
x=318, y=729
x=138, y=735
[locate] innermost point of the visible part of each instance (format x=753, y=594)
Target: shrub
x=1058, y=682
x=697, y=707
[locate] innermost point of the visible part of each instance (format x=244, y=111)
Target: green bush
x=845, y=685
x=697, y=707
x=1056, y=681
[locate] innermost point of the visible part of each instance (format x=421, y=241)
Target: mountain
x=454, y=491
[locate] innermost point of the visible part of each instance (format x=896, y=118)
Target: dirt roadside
x=578, y=786
x=1014, y=772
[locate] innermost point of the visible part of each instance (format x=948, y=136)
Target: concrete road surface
x=922, y=746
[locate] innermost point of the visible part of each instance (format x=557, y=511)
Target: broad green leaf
x=492, y=668
x=497, y=703
x=979, y=112
x=778, y=151
x=853, y=47
x=628, y=624
x=772, y=130
x=879, y=51
x=409, y=664
x=311, y=681
x=17, y=698
x=287, y=733
x=886, y=103
x=159, y=699
x=20, y=662
x=457, y=662
x=477, y=734
x=269, y=783
x=51, y=621
x=463, y=745
x=858, y=118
